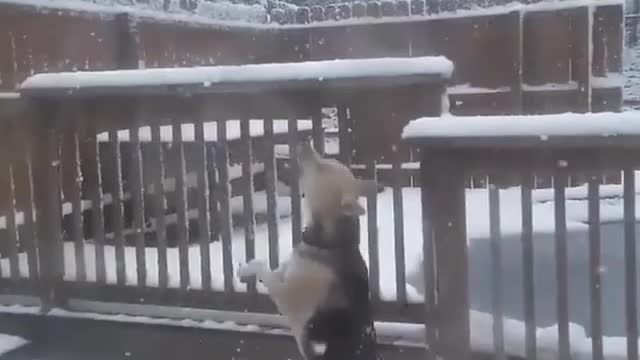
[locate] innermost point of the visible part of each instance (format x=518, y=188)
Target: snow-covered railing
x=454, y=148
x=115, y=243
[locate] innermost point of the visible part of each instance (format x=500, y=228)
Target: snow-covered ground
x=10, y=343
x=477, y=228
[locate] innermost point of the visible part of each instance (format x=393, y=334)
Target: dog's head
x=329, y=186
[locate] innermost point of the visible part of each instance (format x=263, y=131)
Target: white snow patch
x=569, y=86
x=310, y=70
x=405, y=166
x=9, y=95
x=466, y=89
x=10, y=343
x=612, y=80
x=568, y=124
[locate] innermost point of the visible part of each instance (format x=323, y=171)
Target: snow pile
x=542, y=126
x=208, y=76
x=10, y=343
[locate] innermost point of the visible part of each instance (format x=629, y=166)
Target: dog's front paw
x=252, y=268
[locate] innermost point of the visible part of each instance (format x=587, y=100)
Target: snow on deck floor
x=10, y=343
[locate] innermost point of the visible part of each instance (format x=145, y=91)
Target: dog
x=323, y=288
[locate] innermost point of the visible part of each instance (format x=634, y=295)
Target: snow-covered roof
x=243, y=78
x=569, y=129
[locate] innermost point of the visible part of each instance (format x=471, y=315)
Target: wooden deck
x=54, y=338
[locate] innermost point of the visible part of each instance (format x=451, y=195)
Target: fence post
x=582, y=55
x=47, y=201
x=516, y=85
x=443, y=200
x=128, y=40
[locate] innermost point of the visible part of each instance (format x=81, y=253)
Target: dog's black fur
x=348, y=332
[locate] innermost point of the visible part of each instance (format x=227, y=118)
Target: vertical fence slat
x=247, y=196
x=212, y=177
x=203, y=201
x=344, y=135
x=527, y=266
x=271, y=177
x=11, y=223
x=97, y=204
x=294, y=171
x=47, y=201
x=225, y=210
x=428, y=267
x=29, y=223
x=317, y=131
x=137, y=200
x=398, y=226
x=562, y=301
x=372, y=228
x=4, y=163
x=496, y=269
x=595, y=264
x=116, y=206
x=159, y=202
x=182, y=227
x=76, y=200
x=630, y=262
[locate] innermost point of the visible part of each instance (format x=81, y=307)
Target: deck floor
x=80, y=339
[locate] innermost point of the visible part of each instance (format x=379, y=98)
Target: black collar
x=347, y=234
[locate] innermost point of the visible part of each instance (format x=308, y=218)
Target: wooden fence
x=539, y=145
x=532, y=59
x=59, y=261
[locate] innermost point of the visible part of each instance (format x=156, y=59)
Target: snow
x=262, y=73
x=612, y=80
x=466, y=89
x=631, y=61
x=593, y=124
x=569, y=86
x=10, y=343
x=9, y=95
x=222, y=14
x=256, y=129
x=477, y=228
x=406, y=166
x=473, y=11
